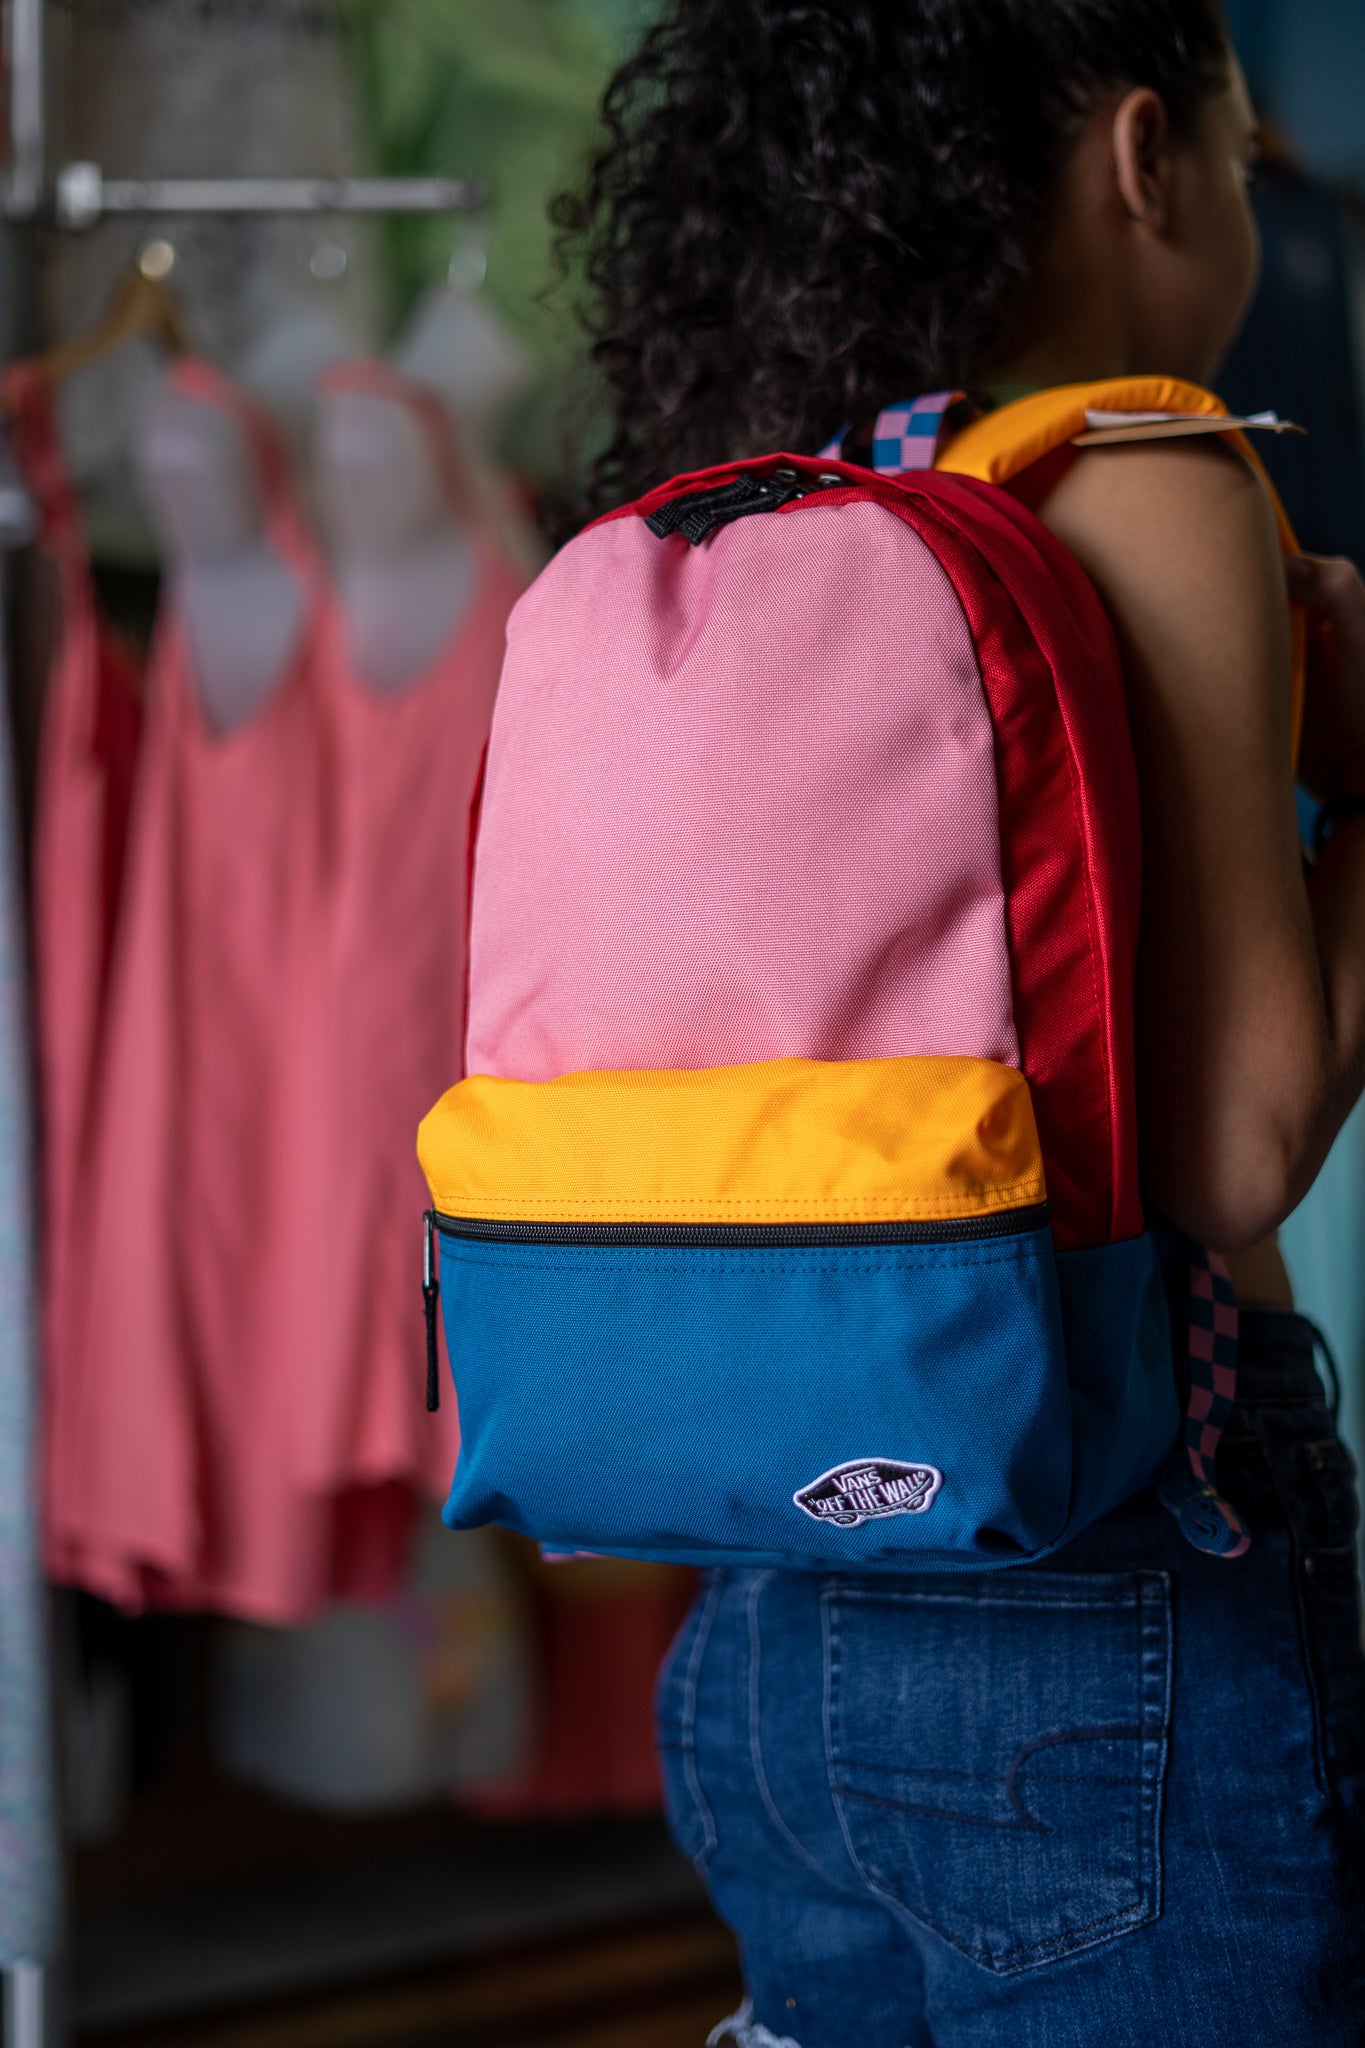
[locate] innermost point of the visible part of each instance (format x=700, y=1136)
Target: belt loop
x=1333, y=1388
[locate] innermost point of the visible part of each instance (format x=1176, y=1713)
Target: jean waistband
x=1279, y=1351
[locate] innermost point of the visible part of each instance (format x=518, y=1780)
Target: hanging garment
x=407, y=764
x=177, y=1484
x=28, y=1824
x=91, y=716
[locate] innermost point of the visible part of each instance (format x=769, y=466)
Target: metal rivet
x=788, y=476
x=828, y=479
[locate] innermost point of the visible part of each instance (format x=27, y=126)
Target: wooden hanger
x=143, y=305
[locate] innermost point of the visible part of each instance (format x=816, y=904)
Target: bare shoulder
x=1179, y=538
x=1190, y=510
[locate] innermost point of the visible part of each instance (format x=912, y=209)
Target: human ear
x=1140, y=144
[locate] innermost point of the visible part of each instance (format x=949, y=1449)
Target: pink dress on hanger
x=411, y=764
x=408, y=767
x=178, y=1483
x=91, y=715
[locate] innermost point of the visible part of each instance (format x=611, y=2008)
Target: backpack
x=788, y=1214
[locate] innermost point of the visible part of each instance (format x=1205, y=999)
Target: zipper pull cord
x=431, y=1295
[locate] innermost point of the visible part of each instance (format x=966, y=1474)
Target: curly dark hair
x=807, y=209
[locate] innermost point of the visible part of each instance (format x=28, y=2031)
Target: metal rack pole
x=84, y=196
x=78, y=198
x=26, y=2002
x=27, y=110
x=80, y=195
x=25, y=2007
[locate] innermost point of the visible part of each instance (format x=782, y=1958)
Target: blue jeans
x=1114, y=1800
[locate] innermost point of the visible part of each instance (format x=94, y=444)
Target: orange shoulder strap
x=1002, y=444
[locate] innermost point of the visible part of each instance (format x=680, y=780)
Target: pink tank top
x=177, y=1484
x=288, y=997
x=407, y=766
x=91, y=715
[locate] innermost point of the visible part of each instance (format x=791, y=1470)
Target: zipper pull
x=431, y=1295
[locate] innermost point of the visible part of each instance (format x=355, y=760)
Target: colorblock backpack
x=788, y=1213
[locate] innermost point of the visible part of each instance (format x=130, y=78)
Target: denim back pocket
x=997, y=1750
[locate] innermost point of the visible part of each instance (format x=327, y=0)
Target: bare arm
x=1251, y=978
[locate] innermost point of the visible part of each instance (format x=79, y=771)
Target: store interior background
x=434, y=1817
x=1305, y=66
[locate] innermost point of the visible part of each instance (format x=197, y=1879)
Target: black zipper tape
x=431, y=1296
x=744, y=1236
x=697, y=514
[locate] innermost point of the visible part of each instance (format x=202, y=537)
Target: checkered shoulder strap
x=1186, y=1488
x=904, y=436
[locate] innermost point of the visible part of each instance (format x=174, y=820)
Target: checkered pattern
x=905, y=436
x=1187, y=1488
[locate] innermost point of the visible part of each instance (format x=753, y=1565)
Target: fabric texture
x=175, y=1484
x=1202, y=1513
x=1115, y=1797
x=727, y=847
x=902, y=437
x=1004, y=443
x=246, y=1429
x=836, y=1141
x=404, y=771
x=1067, y=795
x=843, y=898
x=675, y=1403
x=91, y=724
x=732, y=800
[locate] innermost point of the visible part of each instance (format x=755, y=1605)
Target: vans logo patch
x=867, y=1488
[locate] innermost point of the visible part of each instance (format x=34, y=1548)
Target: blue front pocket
x=675, y=1400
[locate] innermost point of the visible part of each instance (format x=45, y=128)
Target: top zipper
x=714, y=1236
x=696, y=514
x=744, y=1236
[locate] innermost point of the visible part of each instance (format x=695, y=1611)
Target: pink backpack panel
x=909, y=826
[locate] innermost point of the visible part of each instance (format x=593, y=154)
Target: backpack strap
x=1186, y=1488
x=1000, y=445
x=941, y=431
x=912, y=435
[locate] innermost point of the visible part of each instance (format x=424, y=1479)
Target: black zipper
x=743, y=1236
x=701, y=1236
x=431, y=1296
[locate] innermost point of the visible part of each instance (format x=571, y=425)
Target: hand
x=1332, y=750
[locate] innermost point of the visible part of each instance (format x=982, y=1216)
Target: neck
x=1075, y=326
x=1067, y=358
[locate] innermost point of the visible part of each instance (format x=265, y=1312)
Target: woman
x=805, y=212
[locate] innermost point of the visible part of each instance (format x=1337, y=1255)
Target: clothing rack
x=82, y=195
x=74, y=198
x=78, y=195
